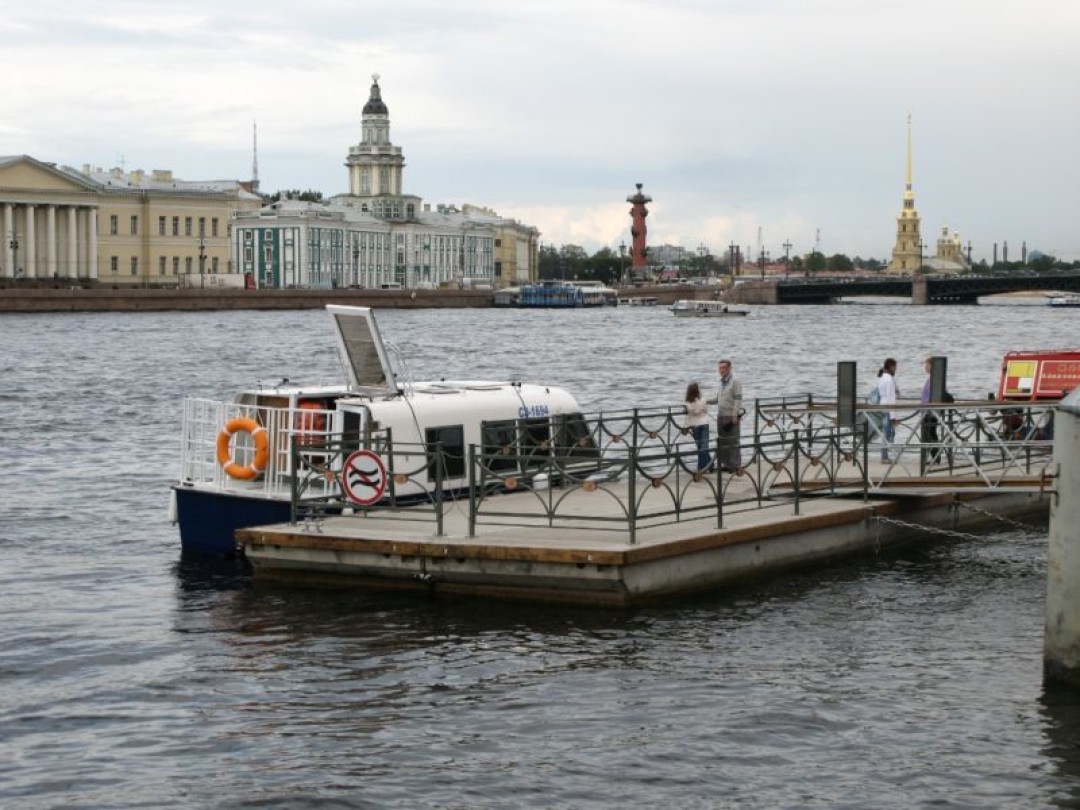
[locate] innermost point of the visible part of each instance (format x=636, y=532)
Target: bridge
x=958, y=289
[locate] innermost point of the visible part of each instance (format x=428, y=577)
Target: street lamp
x=622, y=262
x=733, y=259
x=14, y=245
x=202, y=259
x=356, y=264
x=704, y=253
x=787, y=257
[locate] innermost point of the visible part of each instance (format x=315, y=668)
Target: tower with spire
x=254, y=157
x=376, y=166
x=907, y=253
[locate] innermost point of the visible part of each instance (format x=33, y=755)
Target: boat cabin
x=1031, y=376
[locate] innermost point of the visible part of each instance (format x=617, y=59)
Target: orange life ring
x=262, y=448
x=310, y=422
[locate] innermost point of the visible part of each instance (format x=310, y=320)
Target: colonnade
x=49, y=241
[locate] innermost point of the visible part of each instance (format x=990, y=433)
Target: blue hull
x=208, y=520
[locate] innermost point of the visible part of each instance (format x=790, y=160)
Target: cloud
x=783, y=115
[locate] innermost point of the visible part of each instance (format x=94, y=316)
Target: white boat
x=1065, y=300
x=686, y=308
x=639, y=301
x=370, y=438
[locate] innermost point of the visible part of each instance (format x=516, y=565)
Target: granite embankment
x=102, y=299
x=151, y=300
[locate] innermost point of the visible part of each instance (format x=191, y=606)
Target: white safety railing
x=204, y=421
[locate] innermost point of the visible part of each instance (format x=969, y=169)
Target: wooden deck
x=589, y=556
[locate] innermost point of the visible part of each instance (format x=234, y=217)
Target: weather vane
x=375, y=77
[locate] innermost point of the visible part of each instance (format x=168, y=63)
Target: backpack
x=874, y=397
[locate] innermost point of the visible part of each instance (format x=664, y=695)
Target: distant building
x=949, y=256
x=116, y=227
x=376, y=235
x=908, y=253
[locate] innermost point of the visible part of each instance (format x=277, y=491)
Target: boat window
x=499, y=445
x=573, y=435
x=534, y=440
x=452, y=439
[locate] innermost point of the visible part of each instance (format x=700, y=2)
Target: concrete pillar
x=30, y=261
x=9, y=231
x=73, y=269
x=1061, y=650
x=920, y=290
x=50, y=241
x=92, y=243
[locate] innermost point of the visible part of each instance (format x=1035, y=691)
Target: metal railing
x=201, y=427
x=637, y=468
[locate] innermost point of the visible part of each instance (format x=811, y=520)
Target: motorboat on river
x=372, y=438
x=1064, y=300
x=689, y=308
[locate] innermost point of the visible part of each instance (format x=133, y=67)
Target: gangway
x=967, y=446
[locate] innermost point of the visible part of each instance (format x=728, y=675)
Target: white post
x=1061, y=650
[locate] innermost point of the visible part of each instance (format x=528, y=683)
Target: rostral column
x=637, y=231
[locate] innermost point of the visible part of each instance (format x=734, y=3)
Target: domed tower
x=907, y=254
x=375, y=165
x=638, y=212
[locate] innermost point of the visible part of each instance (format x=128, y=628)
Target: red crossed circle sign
x=364, y=477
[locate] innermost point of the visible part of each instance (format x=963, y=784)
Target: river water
x=130, y=677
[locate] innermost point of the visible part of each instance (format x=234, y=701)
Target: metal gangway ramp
x=966, y=446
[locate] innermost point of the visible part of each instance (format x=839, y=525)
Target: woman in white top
x=887, y=395
x=697, y=419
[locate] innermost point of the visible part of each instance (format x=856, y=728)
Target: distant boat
x=1065, y=300
x=563, y=295
x=705, y=309
x=639, y=301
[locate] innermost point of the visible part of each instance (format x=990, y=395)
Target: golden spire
x=908, y=193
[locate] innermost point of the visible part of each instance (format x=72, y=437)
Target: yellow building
x=116, y=228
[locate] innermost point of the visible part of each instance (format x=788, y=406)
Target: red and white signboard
x=364, y=477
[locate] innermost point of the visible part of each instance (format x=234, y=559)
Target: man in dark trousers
x=728, y=413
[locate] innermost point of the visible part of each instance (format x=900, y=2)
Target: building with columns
x=376, y=235
x=49, y=221
x=115, y=227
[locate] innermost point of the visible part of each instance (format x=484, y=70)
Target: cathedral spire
x=908, y=189
x=255, y=156
x=907, y=254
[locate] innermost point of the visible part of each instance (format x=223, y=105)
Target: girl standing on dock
x=887, y=395
x=697, y=419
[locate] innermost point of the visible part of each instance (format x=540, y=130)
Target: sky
x=757, y=122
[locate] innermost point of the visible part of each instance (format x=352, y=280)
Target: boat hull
x=738, y=314
x=208, y=520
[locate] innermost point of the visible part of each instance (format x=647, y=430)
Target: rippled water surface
x=130, y=677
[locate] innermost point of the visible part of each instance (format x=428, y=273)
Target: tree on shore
x=308, y=195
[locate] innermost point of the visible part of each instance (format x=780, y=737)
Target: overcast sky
x=787, y=117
